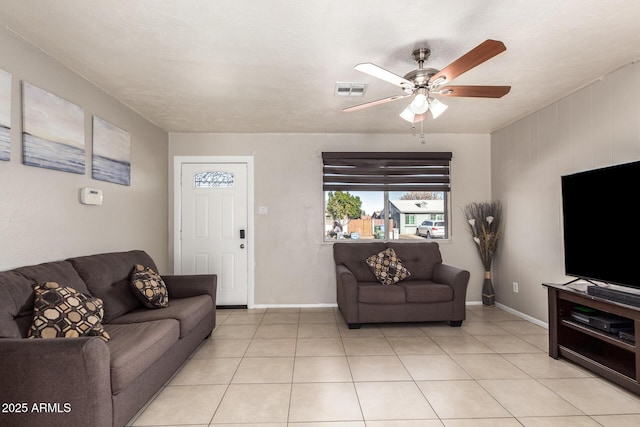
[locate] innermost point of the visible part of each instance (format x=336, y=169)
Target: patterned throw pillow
x=387, y=267
x=61, y=311
x=149, y=287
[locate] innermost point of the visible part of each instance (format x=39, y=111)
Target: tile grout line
x=228, y=386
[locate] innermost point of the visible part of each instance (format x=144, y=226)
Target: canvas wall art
x=111, y=153
x=5, y=115
x=52, y=131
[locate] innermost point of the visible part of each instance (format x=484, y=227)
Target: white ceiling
x=271, y=65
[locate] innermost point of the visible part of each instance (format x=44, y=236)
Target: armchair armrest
x=347, y=285
x=191, y=285
x=455, y=277
x=55, y=382
x=458, y=279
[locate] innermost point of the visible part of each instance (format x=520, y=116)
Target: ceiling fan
x=425, y=83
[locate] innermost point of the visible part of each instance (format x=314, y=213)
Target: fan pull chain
x=413, y=128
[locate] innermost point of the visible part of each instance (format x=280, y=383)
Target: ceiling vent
x=350, y=89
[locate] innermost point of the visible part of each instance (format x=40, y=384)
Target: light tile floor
x=305, y=368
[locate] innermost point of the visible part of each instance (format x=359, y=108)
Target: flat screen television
x=601, y=218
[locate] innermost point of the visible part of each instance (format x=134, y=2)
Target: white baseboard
x=515, y=313
x=474, y=303
x=262, y=306
x=523, y=316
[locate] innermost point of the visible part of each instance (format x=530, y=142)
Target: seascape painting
x=111, y=153
x=5, y=115
x=53, y=131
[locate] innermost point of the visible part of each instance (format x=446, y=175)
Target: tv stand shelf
x=601, y=352
x=608, y=338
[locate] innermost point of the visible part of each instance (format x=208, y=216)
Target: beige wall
x=594, y=127
x=293, y=265
x=41, y=218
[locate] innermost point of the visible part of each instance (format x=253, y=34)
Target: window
x=385, y=195
x=214, y=179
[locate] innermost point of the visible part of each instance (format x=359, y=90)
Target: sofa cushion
x=149, y=287
x=188, y=311
x=387, y=267
x=419, y=258
x=427, y=291
x=61, y=311
x=108, y=277
x=353, y=254
x=135, y=347
x=16, y=305
x=16, y=294
x=375, y=293
x=60, y=272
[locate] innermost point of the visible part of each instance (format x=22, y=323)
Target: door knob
x=242, y=246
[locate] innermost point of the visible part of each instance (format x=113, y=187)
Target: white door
x=214, y=226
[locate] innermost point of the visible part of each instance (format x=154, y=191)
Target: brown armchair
x=433, y=292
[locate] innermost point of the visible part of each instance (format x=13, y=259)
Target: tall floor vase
x=488, y=296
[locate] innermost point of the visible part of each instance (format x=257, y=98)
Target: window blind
x=386, y=171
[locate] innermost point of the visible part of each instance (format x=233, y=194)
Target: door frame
x=178, y=161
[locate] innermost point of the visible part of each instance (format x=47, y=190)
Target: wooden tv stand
x=603, y=353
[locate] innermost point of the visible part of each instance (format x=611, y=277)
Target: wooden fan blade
x=382, y=74
x=372, y=103
x=475, y=91
x=476, y=56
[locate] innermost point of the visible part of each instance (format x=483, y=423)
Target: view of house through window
x=361, y=215
x=386, y=195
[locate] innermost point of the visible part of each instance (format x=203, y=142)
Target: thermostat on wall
x=90, y=196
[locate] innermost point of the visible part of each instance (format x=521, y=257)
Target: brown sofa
x=86, y=381
x=434, y=291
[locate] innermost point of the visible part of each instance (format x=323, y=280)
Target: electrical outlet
x=515, y=287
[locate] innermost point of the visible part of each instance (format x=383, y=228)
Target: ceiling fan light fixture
x=422, y=83
x=436, y=107
x=407, y=114
x=419, y=105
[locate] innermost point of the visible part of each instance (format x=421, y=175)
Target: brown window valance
x=386, y=171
